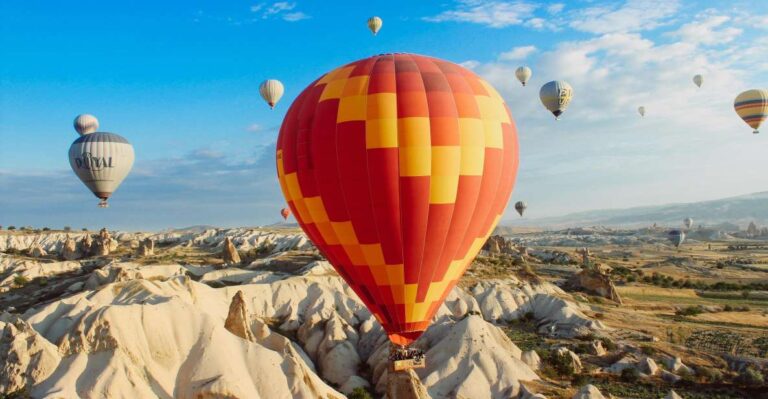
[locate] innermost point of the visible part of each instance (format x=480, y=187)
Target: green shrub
x=648, y=350
x=630, y=374
x=11, y=227
x=690, y=311
x=42, y=281
x=710, y=375
x=562, y=364
x=608, y=344
x=360, y=393
x=579, y=380
x=728, y=308
x=751, y=376
x=20, y=281
x=67, y=228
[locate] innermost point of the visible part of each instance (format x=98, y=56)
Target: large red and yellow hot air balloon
x=398, y=167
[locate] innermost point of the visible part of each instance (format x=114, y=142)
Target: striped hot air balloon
x=285, y=212
x=101, y=160
x=520, y=207
x=398, y=167
x=374, y=25
x=86, y=123
x=752, y=107
x=271, y=91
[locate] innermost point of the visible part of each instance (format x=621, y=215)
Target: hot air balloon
x=523, y=73
x=676, y=237
x=556, y=95
x=688, y=222
x=641, y=110
x=101, y=160
x=86, y=123
x=374, y=24
x=271, y=91
x=285, y=212
x=698, y=80
x=752, y=107
x=398, y=167
x=520, y=207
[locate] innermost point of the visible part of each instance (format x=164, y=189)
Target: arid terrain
x=258, y=313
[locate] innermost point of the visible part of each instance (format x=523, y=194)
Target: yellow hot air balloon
x=752, y=107
x=556, y=95
x=698, y=80
x=271, y=91
x=523, y=74
x=374, y=24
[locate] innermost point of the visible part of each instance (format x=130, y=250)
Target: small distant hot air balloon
x=271, y=91
x=285, y=212
x=752, y=107
x=398, y=167
x=556, y=95
x=676, y=237
x=374, y=24
x=523, y=74
x=688, y=222
x=86, y=123
x=698, y=80
x=641, y=111
x=520, y=207
x=101, y=160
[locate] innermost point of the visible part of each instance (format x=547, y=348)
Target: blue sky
x=180, y=81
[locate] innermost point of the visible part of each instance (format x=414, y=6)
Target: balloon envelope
x=285, y=212
x=374, y=24
x=641, y=111
x=86, y=123
x=520, y=207
x=698, y=80
x=676, y=237
x=271, y=91
x=556, y=95
x=688, y=222
x=398, y=167
x=101, y=160
x=752, y=107
x=523, y=74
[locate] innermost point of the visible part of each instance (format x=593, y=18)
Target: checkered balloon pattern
x=398, y=167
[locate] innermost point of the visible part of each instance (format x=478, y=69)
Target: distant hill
x=731, y=211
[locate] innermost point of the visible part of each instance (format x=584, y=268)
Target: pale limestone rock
x=525, y=393
x=237, y=319
x=86, y=244
x=70, y=251
x=648, y=366
x=405, y=385
x=146, y=248
x=26, y=358
x=532, y=359
x=595, y=282
x=673, y=395
x=588, y=392
x=676, y=365
x=229, y=252
x=572, y=357
x=596, y=348
x=37, y=251
x=352, y=383
x=670, y=377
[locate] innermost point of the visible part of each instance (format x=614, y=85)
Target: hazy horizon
x=183, y=90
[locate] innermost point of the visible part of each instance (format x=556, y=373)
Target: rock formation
x=86, y=244
x=229, y=252
x=237, y=319
x=532, y=359
x=146, y=248
x=594, y=282
x=596, y=348
x=499, y=245
x=405, y=385
x=673, y=395
x=588, y=392
x=26, y=357
x=571, y=357
x=70, y=251
x=37, y=251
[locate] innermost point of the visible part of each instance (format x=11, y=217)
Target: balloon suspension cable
x=403, y=358
x=103, y=203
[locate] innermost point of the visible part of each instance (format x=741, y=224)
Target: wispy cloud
x=632, y=16
x=495, y=14
x=282, y=9
x=705, y=30
x=517, y=53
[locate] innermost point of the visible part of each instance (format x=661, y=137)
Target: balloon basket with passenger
x=402, y=358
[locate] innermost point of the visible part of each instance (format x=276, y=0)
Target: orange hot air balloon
x=398, y=167
x=285, y=212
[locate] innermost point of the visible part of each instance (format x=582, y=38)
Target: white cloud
x=704, y=31
x=555, y=8
x=254, y=128
x=495, y=14
x=517, y=53
x=470, y=64
x=282, y=9
x=632, y=16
